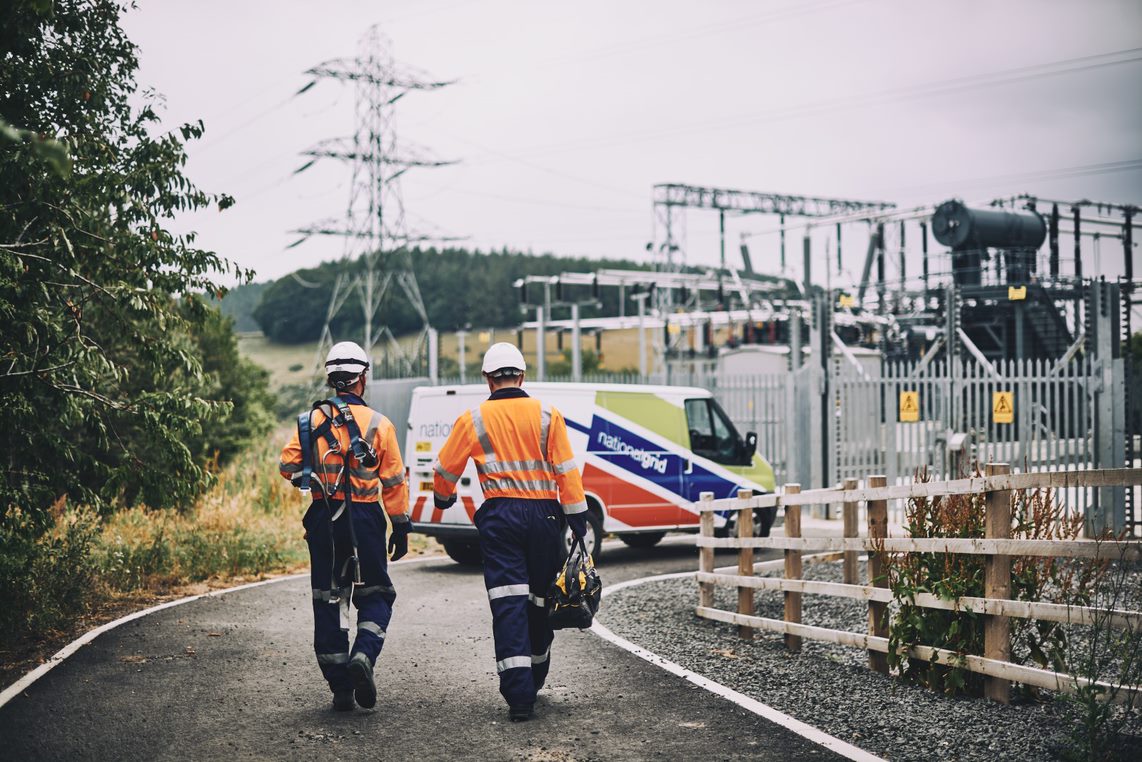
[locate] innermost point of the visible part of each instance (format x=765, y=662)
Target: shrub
x=1035, y=515
x=46, y=578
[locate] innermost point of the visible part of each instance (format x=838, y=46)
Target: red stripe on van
x=418, y=508
x=628, y=503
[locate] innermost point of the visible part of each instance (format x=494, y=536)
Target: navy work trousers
x=522, y=545
x=332, y=582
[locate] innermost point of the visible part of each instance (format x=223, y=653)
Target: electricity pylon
x=374, y=227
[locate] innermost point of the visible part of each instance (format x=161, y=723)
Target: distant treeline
x=459, y=288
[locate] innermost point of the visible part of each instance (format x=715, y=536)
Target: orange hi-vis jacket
x=385, y=481
x=521, y=450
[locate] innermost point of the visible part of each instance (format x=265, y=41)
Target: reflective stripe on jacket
x=521, y=450
x=384, y=483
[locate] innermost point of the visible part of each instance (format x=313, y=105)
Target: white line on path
x=24, y=682
x=808, y=732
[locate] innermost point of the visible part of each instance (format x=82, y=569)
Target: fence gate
x=944, y=417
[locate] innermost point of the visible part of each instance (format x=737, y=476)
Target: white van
x=646, y=453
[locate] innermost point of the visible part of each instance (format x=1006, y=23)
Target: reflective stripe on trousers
x=329, y=548
x=521, y=541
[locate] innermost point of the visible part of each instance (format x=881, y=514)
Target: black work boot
x=361, y=673
x=520, y=712
x=343, y=701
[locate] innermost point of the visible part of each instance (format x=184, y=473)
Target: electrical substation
x=851, y=336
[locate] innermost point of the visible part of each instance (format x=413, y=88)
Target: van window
x=712, y=435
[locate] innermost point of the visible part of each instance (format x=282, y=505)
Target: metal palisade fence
x=818, y=427
x=944, y=418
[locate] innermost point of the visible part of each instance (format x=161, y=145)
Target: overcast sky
x=564, y=115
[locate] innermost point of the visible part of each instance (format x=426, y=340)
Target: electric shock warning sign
x=1003, y=407
x=909, y=407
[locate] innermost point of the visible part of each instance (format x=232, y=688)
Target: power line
x=1084, y=170
x=548, y=170
x=537, y=201
x=639, y=44
x=924, y=90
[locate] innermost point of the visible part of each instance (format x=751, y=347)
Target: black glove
x=578, y=523
x=398, y=540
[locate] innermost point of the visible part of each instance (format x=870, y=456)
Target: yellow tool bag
x=574, y=595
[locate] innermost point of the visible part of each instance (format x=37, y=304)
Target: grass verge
x=89, y=570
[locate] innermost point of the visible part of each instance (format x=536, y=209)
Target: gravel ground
x=830, y=686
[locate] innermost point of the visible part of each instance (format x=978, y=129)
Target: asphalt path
x=233, y=677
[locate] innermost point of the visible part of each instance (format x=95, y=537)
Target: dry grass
x=247, y=527
x=249, y=523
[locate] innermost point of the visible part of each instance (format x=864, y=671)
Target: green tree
x=102, y=388
x=459, y=287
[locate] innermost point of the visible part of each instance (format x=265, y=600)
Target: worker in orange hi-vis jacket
x=531, y=486
x=359, y=477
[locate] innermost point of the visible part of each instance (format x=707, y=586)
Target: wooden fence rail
x=996, y=606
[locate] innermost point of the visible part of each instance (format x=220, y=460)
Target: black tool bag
x=574, y=595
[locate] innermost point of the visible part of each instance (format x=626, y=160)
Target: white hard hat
x=503, y=355
x=346, y=357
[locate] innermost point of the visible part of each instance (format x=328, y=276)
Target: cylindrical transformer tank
x=956, y=226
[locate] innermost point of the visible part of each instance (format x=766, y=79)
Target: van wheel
x=466, y=553
x=593, y=539
x=763, y=519
x=642, y=539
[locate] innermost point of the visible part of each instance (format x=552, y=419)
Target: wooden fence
x=997, y=546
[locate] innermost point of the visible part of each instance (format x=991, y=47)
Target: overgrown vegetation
x=120, y=386
x=1103, y=656
x=1035, y=516
x=1106, y=660
x=247, y=524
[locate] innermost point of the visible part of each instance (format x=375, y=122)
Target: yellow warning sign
x=846, y=301
x=424, y=446
x=909, y=407
x=1003, y=407
x=1016, y=293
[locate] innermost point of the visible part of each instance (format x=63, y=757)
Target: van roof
x=555, y=386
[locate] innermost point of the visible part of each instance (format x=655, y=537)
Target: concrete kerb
x=775, y=716
x=21, y=685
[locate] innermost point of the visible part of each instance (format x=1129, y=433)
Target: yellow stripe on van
x=649, y=411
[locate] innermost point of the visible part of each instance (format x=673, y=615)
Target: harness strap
x=362, y=450
x=305, y=439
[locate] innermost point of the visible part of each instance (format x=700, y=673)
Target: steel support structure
x=374, y=229
x=670, y=200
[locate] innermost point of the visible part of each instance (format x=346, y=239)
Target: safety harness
x=337, y=415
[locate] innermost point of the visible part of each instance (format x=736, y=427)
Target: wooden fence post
x=877, y=612
x=706, y=555
x=849, y=517
x=997, y=584
x=745, y=559
x=792, y=567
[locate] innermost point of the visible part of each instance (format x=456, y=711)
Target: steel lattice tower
x=374, y=228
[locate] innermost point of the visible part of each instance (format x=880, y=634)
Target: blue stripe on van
x=661, y=464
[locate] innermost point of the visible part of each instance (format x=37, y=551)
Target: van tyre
x=466, y=553
x=763, y=519
x=593, y=540
x=642, y=539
